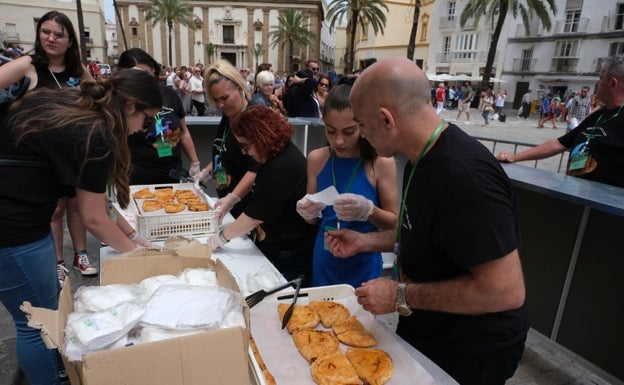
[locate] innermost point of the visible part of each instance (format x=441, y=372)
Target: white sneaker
x=61, y=273
x=83, y=265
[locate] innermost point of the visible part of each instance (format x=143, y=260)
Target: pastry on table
x=144, y=193
x=172, y=208
x=334, y=369
x=313, y=343
x=182, y=193
x=373, y=366
x=268, y=377
x=199, y=206
x=151, y=205
x=302, y=317
x=329, y=311
x=164, y=192
x=350, y=331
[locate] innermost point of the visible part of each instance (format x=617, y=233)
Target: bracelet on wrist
x=222, y=237
x=131, y=234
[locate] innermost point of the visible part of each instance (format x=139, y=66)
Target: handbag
x=489, y=108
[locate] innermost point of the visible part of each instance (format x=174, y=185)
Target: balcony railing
x=613, y=22
x=599, y=62
x=535, y=30
x=523, y=65
x=563, y=64
x=449, y=22
x=563, y=26
x=482, y=56
x=88, y=40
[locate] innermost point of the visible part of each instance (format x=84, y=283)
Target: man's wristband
x=131, y=235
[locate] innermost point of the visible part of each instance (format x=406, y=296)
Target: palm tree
x=357, y=12
x=210, y=50
x=492, y=8
x=291, y=30
x=169, y=12
x=411, y=45
x=257, y=51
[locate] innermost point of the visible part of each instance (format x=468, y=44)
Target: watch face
x=403, y=310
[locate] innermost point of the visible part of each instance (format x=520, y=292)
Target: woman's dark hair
x=338, y=100
x=99, y=108
x=133, y=56
x=265, y=128
x=73, y=64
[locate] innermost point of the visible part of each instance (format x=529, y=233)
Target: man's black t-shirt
x=460, y=212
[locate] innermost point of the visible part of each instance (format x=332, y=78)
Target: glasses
x=326, y=85
x=148, y=121
x=245, y=147
x=55, y=35
x=314, y=69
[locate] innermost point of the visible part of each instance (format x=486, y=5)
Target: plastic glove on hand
x=202, y=176
x=309, y=209
x=194, y=169
x=216, y=241
x=140, y=241
x=225, y=204
x=353, y=207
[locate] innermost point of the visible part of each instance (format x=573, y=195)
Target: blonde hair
x=219, y=71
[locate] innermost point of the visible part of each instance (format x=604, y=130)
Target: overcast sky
x=109, y=11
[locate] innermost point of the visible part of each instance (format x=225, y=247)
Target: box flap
x=51, y=322
x=133, y=267
x=217, y=357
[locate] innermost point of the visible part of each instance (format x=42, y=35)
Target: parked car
x=105, y=70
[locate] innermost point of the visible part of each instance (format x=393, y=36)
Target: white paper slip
x=326, y=196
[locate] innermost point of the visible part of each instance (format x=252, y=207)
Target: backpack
x=12, y=93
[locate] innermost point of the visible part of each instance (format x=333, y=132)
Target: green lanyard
x=430, y=141
x=357, y=166
x=591, y=135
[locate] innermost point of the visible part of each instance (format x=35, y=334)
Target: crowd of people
x=459, y=287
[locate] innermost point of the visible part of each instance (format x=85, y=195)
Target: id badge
x=220, y=177
x=327, y=228
x=578, y=162
x=164, y=148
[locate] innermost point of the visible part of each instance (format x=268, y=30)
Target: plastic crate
x=158, y=225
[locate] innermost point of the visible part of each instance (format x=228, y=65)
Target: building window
x=572, y=21
x=228, y=34
x=451, y=10
x=619, y=17
x=135, y=31
x=566, y=48
x=466, y=46
x=616, y=48
x=424, y=28
x=527, y=57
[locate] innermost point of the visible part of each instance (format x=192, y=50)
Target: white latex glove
x=225, y=204
x=216, y=241
x=140, y=241
x=194, y=169
x=353, y=207
x=202, y=176
x=309, y=209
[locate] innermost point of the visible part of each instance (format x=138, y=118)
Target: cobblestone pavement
x=541, y=364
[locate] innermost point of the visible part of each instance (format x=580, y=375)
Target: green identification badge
x=578, y=162
x=164, y=148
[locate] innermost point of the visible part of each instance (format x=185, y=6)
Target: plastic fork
x=255, y=298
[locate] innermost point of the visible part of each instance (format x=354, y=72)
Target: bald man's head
x=395, y=82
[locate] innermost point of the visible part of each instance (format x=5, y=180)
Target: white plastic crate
x=158, y=225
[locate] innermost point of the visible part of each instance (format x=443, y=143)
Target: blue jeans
x=28, y=273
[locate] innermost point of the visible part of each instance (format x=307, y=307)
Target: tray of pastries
x=329, y=339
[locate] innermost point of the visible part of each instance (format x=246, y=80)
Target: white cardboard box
x=218, y=357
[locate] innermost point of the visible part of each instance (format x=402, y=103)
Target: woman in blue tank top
x=368, y=197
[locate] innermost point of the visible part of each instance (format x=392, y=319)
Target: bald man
x=461, y=290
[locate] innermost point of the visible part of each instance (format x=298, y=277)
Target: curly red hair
x=265, y=128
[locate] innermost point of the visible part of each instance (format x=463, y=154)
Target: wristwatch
x=401, y=305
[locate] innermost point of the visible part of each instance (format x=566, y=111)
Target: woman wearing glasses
x=76, y=145
x=322, y=89
x=56, y=64
x=281, y=234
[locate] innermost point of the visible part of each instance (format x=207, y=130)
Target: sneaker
x=61, y=272
x=82, y=264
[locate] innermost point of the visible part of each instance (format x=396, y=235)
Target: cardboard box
x=218, y=357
